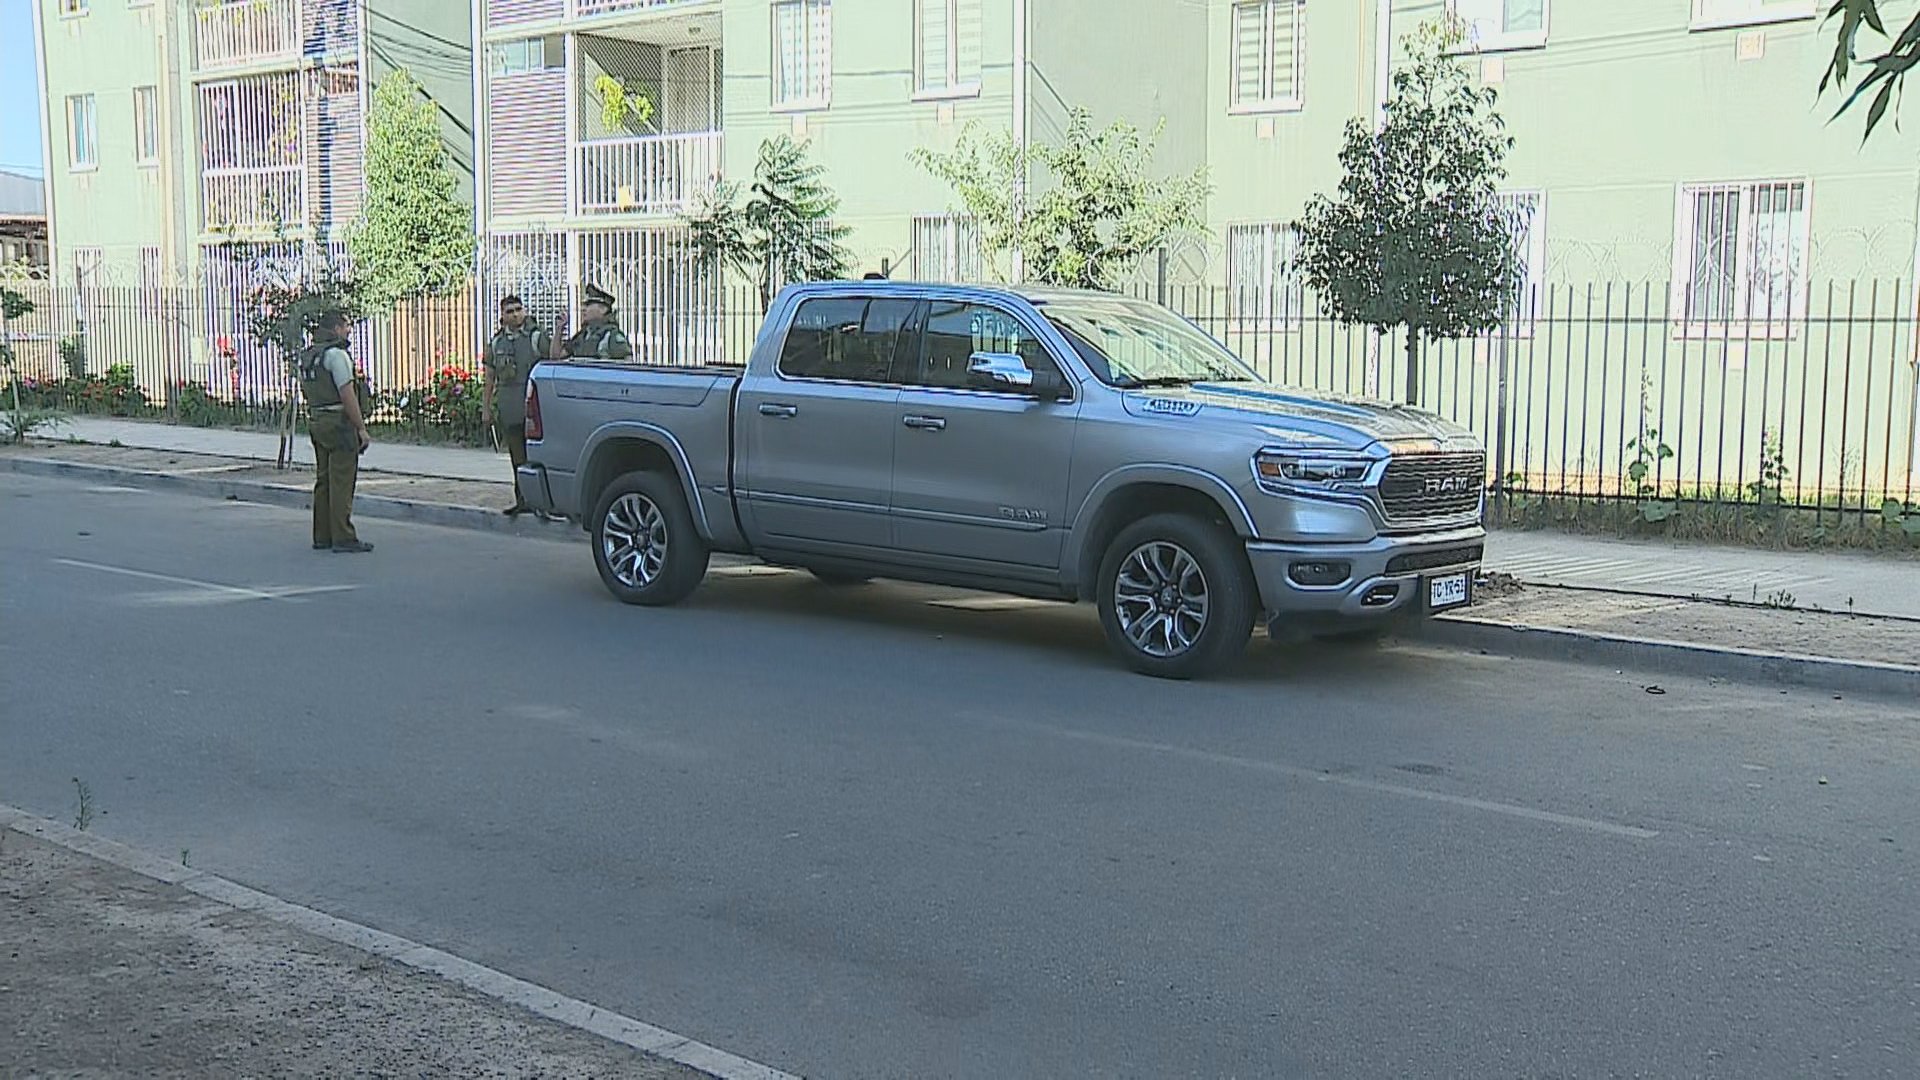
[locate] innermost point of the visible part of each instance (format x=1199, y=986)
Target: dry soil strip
x=485, y=980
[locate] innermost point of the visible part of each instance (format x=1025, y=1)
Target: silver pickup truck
x=1046, y=443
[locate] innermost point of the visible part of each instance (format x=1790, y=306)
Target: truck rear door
x=817, y=431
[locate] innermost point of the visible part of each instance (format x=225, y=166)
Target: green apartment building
x=174, y=125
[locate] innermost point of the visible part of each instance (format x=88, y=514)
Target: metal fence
x=1598, y=391
x=1613, y=391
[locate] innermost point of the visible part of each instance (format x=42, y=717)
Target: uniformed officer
x=338, y=427
x=601, y=337
x=516, y=347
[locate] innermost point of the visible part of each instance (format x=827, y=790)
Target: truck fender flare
x=658, y=436
x=1231, y=505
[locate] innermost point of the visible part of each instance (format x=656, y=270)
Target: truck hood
x=1354, y=422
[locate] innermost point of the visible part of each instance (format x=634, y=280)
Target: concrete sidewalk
x=1831, y=581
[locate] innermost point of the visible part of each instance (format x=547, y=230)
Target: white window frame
x=1749, y=316
x=1267, y=102
x=520, y=56
x=77, y=134
x=953, y=83
x=962, y=259
x=816, y=86
x=1504, y=40
x=1277, y=300
x=1529, y=303
x=146, y=125
x=1723, y=14
x=75, y=9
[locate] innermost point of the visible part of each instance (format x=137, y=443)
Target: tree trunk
x=1413, y=366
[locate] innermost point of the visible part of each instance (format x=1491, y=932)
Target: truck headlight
x=1311, y=469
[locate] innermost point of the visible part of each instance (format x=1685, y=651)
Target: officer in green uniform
x=338, y=427
x=516, y=347
x=601, y=337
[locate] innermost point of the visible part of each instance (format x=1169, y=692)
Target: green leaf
x=1637, y=471
x=1891, y=511
x=1655, y=512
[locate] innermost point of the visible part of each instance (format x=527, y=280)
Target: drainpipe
x=1382, y=89
x=46, y=141
x=1022, y=101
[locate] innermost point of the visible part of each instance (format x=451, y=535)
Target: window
x=1269, y=46
x=802, y=52
x=946, y=247
x=71, y=8
x=1493, y=25
x=86, y=266
x=1713, y=14
x=83, y=133
x=846, y=339
x=527, y=54
x=1263, y=276
x=1527, y=213
x=1740, y=253
x=146, y=125
x=947, y=47
x=956, y=330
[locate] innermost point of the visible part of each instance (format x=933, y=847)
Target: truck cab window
x=956, y=330
x=851, y=339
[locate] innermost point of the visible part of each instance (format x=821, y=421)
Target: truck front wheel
x=644, y=541
x=1177, y=599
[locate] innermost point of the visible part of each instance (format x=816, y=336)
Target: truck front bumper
x=1382, y=577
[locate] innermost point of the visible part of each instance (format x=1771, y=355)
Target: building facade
x=177, y=126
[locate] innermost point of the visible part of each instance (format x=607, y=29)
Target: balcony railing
x=510, y=12
x=657, y=174
x=251, y=197
x=239, y=32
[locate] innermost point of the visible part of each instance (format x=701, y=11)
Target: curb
x=1677, y=657
x=296, y=497
x=485, y=981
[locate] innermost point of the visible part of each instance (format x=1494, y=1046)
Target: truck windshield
x=1132, y=344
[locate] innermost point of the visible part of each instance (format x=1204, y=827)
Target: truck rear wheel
x=644, y=541
x=1176, y=597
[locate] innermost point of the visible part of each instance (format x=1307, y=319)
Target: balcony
x=503, y=13
x=249, y=33
x=652, y=174
x=251, y=198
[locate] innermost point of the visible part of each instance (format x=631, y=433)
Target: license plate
x=1446, y=592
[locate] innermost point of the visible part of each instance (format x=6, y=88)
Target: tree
x=783, y=231
x=414, y=236
x=1888, y=70
x=1097, y=211
x=13, y=305
x=1416, y=237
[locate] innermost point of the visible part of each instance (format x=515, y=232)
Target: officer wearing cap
x=601, y=337
x=337, y=423
x=516, y=347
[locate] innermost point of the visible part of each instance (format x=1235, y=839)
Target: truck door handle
x=927, y=423
x=785, y=412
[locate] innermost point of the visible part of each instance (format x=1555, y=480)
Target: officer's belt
x=327, y=408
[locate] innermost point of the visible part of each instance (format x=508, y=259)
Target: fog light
x=1380, y=596
x=1320, y=573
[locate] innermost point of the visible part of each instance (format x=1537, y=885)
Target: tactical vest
x=591, y=341
x=315, y=384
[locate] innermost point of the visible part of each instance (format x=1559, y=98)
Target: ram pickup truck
x=1047, y=443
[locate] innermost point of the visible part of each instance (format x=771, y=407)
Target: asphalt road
x=858, y=833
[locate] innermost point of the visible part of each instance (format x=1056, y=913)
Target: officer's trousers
x=335, y=471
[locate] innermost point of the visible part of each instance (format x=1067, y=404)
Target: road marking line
x=1297, y=772
x=488, y=982
x=289, y=593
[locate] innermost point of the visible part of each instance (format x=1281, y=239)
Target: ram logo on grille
x=1428, y=487
x=1448, y=485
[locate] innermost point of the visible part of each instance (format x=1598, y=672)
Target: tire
x=839, y=580
x=644, y=541
x=1200, y=561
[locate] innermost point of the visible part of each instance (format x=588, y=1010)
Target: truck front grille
x=1432, y=486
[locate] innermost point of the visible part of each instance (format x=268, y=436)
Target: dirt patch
x=107, y=973
x=1807, y=633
